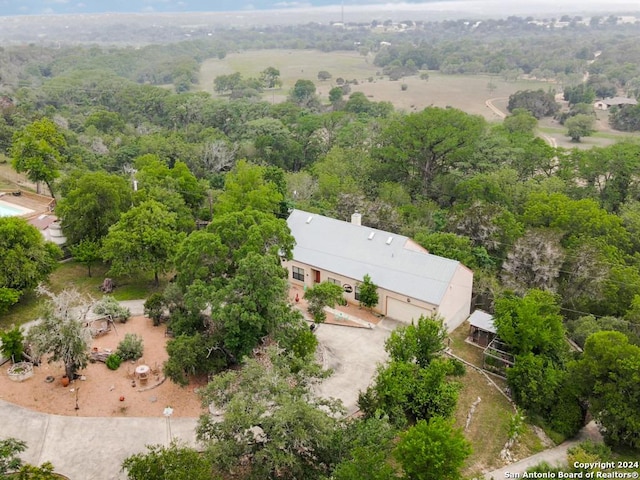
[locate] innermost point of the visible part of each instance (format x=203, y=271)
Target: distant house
x=481, y=328
x=411, y=282
x=614, y=101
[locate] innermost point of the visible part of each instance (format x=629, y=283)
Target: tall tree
x=38, y=149
x=417, y=147
x=93, y=204
x=61, y=332
x=144, y=239
x=245, y=187
x=273, y=427
x=608, y=375
x=26, y=259
x=433, y=450
x=531, y=324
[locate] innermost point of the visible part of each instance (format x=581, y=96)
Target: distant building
x=614, y=101
x=411, y=282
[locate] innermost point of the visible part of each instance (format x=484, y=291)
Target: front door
x=316, y=275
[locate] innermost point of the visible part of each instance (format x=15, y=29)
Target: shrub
x=404, y=87
x=130, y=348
x=113, y=361
x=12, y=344
x=110, y=306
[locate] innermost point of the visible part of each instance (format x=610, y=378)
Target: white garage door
x=404, y=311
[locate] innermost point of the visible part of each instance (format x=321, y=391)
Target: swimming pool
x=9, y=210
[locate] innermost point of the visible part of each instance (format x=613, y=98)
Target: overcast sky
x=501, y=7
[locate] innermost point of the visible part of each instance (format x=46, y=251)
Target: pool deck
x=32, y=204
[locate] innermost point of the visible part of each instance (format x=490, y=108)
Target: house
x=481, y=328
x=614, y=101
x=411, y=282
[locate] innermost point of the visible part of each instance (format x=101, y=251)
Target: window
x=297, y=273
x=333, y=280
x=357, y=293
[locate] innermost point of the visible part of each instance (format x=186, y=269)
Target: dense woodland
x=551, y=234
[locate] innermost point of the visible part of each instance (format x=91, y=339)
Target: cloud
x=292, y=5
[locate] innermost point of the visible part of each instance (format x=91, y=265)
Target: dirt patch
x=99, y=394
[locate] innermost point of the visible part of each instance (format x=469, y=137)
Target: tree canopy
x=26, y=259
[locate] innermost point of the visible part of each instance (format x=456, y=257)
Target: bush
x=130, y=348
x=113, y=361
x=110, y=306
x=404, y=87
x=12, y=344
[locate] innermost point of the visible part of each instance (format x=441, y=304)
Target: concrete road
x=88, y=447
x=353, y=354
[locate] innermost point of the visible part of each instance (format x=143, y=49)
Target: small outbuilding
x=481, y=328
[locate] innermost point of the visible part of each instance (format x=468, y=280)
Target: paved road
x=88, y=447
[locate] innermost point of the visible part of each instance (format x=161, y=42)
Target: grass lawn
x=490, y=425
x=75, y=275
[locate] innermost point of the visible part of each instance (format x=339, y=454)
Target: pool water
x=7, y=210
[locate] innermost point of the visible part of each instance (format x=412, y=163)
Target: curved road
x=489, y=103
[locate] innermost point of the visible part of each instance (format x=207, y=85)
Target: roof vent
x=310, y=218
x=389, y=240
x=371, y=235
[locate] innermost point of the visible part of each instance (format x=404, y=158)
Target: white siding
x=404, y=311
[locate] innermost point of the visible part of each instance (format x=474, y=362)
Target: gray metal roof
x=483, y=321
x=354, y=251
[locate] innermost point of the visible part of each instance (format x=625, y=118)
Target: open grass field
x=466, y=92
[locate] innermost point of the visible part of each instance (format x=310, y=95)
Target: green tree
x=10, y=448
x=580, y=126
x=369, y=442
x=12, y=344
x=325, y=294
x=538, y=103
x=246, y=188
x=144, y=239
x=270, y=77
x=406, y=392
x=419, y=343
x=456, y=247
x=61, y=332
x=368, y=292
x=531, y=324
x=272, y=427
x=175, y=462
x=324, y=75
x=608, y=375
x=11, y=466
x=94, y=203
x=38, y=149
x=433, y=450
x=304, y=94
x=252, y=305
x=213, y=255
x=86, y=252
x=26, y=259
x=415, y=148
x=520, y=122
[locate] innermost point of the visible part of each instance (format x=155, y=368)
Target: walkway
x=555, y=457
x=89, y=447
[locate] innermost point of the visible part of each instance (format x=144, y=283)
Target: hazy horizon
x=487, y=8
